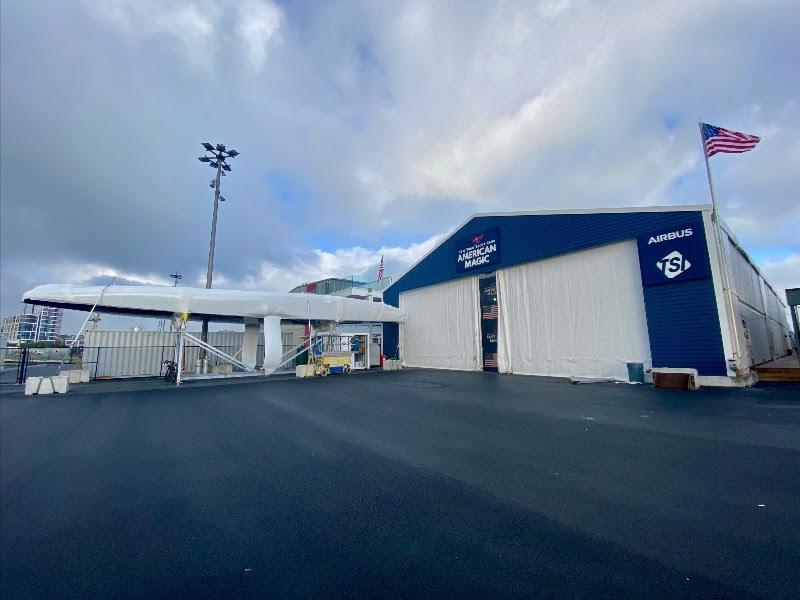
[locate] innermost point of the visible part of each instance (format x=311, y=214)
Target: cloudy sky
x=369, y=128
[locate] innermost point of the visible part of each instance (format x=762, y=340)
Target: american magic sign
x=478, y=250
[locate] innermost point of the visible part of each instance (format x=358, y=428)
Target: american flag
x=717, y=139
x=490, y=312
x=490, y=360
x=380, y=269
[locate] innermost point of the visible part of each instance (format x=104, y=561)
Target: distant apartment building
x=20, y=327
x=42, y=325
x=49, y=323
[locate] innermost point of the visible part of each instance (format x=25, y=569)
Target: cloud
x=191, y=23
x=66, y=272
x=367, y=127
x=358, y=261
x=783, y=273
x=199, y=27
x=191, y=27
x=258, y=25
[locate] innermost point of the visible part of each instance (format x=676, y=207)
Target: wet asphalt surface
x=400, y=485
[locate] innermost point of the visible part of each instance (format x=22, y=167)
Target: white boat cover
x=226, y=304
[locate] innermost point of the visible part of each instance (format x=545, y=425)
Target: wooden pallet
x=777, y=374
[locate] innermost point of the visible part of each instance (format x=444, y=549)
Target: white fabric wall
x=442, y=330
x=745, y=281
x=580, y=314
x=759, y=308
x=755, y=338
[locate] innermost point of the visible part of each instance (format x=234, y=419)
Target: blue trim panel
x=391, y=339
x=680, y=315
x=683, y=324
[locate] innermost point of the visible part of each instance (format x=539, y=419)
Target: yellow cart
x=333, y=362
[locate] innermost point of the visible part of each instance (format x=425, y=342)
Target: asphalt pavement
x=413, y=484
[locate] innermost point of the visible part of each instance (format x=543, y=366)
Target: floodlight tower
x=177, y=277
x=215, y=157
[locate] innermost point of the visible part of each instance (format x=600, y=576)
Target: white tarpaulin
x=442, y=330
x=580, y=314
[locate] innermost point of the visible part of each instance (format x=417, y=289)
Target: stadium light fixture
x=215, y=158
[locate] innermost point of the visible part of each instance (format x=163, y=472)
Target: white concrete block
x=304, y=370
x=32, y=385
x=85, y=376
x=45, y=386
x=60, y=384
x=74, y=375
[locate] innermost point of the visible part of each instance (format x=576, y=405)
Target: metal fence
x=138, y=355
x=16, y=363
x=126, y=354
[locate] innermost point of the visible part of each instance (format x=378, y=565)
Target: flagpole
x=714, y=209
x=726, y=286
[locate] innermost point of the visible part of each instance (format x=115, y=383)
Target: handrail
x=290, y=350
x=310, y=343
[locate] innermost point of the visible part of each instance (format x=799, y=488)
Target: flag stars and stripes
x=717, y=139
x=380, y=270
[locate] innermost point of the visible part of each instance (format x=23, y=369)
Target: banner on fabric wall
x=478, y=250
x=489, y=317
x=673, y=254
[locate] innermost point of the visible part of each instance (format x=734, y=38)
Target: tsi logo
x=673, y=264
x=672, y=255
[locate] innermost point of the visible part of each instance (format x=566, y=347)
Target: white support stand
x=179, y=353
x=273, y=344
x=250, y=342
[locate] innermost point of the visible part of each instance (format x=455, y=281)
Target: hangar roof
x=588, y=211
x=562, y=211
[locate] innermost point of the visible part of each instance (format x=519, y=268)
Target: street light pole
x=210, y=272
x=215, y=157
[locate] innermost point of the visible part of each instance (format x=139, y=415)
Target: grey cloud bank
x=368, y=128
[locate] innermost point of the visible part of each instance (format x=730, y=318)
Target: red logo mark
x=477, y=238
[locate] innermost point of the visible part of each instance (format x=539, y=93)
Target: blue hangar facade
x=611, y=293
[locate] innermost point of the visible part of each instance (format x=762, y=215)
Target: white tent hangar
x=604, y=293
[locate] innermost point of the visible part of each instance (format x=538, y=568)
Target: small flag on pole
x=717, y=139
x=380, y=270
